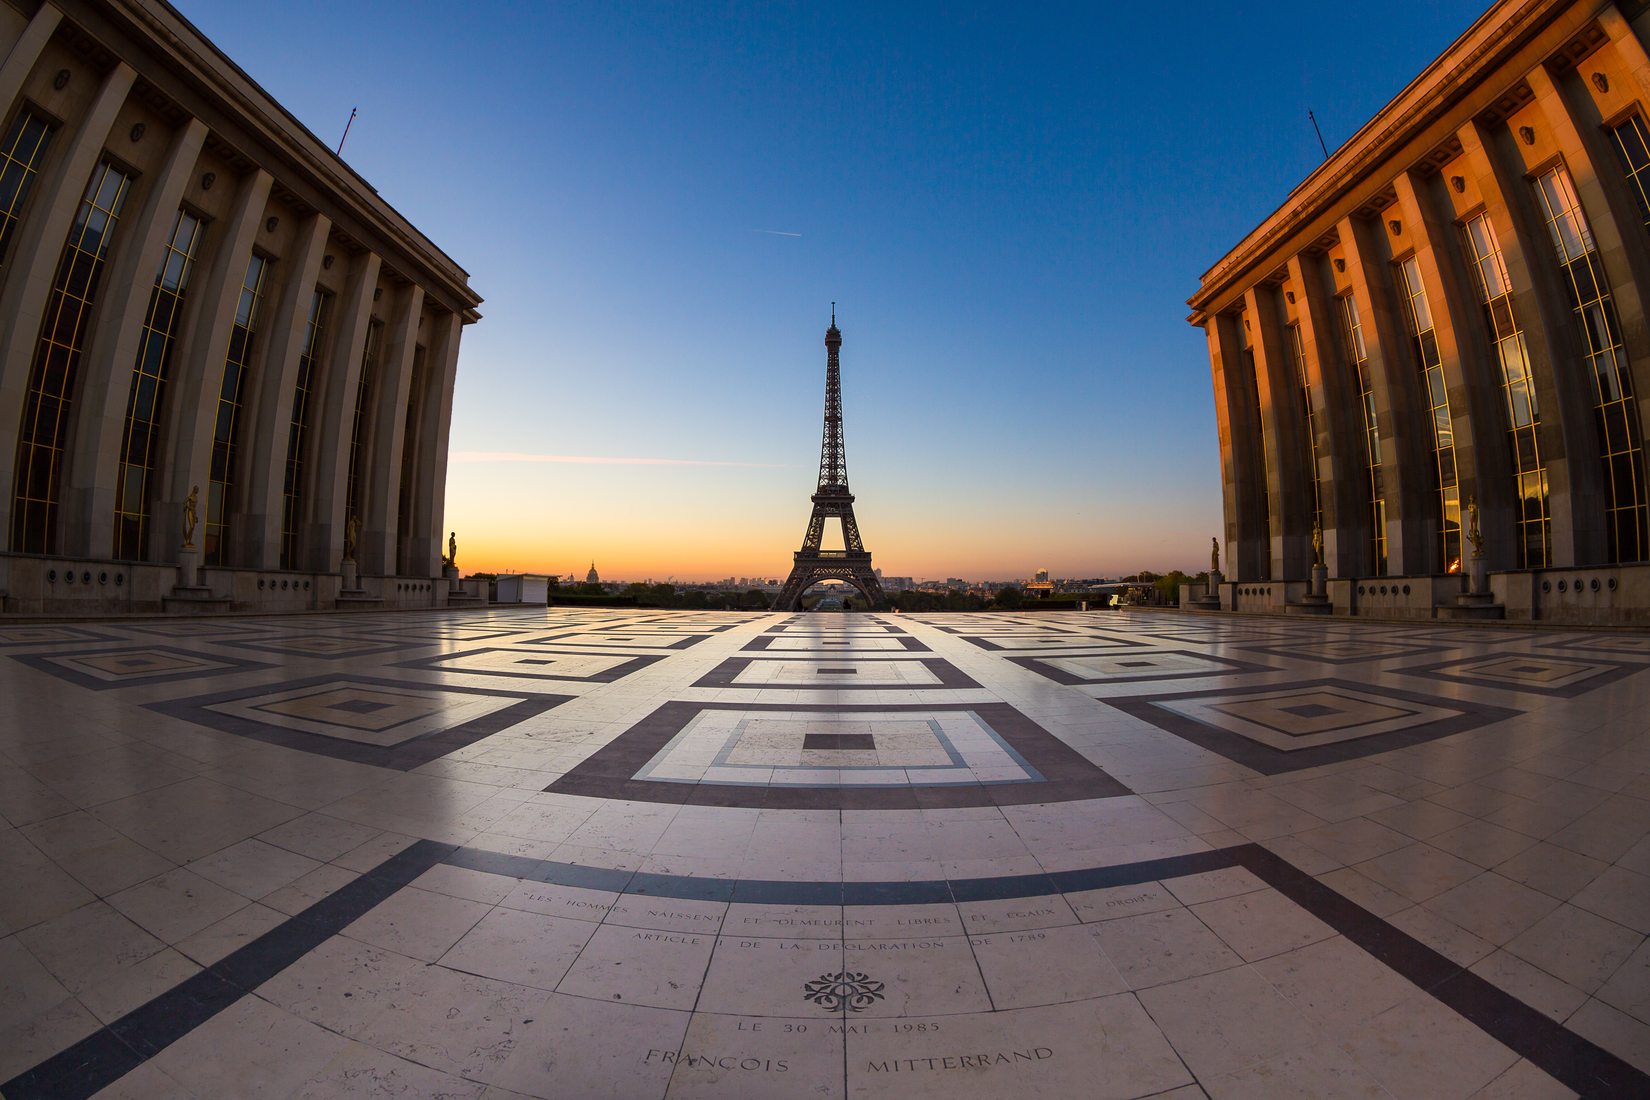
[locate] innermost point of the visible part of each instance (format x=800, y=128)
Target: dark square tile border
x=618, y=672
x=1612, y=643
x=76, y=635
x=1304, y=650
x=610, y=772
x=440, y=634
x=1231, y=667
x=584, y=639
x=664, y=624
x=950, y=677
x=906, y=641
x=1007, y=629
x=1610, y=672
x=374, y=647
x=1482, y=635
x=111, y=1052
x=1269, y=761
x=1029, y=643
x=403, y=757
x=190, y=629
x=805, y=624
x=224, y=665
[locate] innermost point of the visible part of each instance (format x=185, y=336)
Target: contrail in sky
x=778, y=233
x=598, y=460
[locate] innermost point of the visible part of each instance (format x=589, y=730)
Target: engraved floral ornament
x=845, y=989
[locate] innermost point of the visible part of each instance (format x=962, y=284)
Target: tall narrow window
x=1620, y=443
x=237, y=362
x=1523, y=413
x=41, y=438
x=1632, y=139
x=21, y=151
x=1309, y=421
x=141, y=438
x=357, y=438
x=1431, y=365
x=292, y=498
x=1357, y=353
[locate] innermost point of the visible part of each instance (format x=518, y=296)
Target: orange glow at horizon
x=694, y=525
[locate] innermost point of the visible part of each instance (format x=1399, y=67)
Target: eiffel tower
x=831, y=499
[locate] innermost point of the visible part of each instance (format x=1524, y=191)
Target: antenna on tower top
x=833, y=313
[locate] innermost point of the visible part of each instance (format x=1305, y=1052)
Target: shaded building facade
x=211, y=327
x=1447, y=322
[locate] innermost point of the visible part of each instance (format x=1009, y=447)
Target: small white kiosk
x=533, y=588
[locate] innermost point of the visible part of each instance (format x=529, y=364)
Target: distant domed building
x=592, y=577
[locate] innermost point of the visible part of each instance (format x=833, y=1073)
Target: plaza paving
x=641, y=854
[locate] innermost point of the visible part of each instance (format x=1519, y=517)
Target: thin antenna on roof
x=347, y=125
x=1317, y=131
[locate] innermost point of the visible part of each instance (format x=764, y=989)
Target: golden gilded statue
x=452, y=548
x=1214, y=554
x=352, y=530
x=190, y=517
x=1475, y=537
x=1317, y=542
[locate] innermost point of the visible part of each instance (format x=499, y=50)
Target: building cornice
x=1451, y=90
x=172, y=56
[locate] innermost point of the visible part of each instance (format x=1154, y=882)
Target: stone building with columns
x=1448, y=324
x=209, y=325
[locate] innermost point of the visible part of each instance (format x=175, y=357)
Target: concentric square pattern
x=369, y=721
x=1304, y=725
x=870, y=757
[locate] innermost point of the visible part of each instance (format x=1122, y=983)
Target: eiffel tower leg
x=790, y=597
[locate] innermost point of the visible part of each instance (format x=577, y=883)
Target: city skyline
x=659, y=205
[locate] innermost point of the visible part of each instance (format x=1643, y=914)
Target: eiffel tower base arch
x=809, y=570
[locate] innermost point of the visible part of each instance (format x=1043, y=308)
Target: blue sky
x=1010, y=206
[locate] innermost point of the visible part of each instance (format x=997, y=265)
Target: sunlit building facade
x=1448, y=320
x=210, y=328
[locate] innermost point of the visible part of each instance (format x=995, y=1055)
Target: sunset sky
x=1009, y=205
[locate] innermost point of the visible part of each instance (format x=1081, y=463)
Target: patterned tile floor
x=639, y=854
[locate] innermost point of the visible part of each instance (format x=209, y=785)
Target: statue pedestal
x=189, y=596
x=1478, y=602
x=352, y=581
x=451, y=573
x=1210, y=600
x=189, y=571
x=1316, y=600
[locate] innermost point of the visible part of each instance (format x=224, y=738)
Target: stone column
x=334, y=419
x=1477, y=402
x=431, y=472
x=25, y=54
x=35, y=252
x=1492, y=174
x=1395, y=383
x=1342, y=470
x=1242, y=468
x=1290, y=544
x=1418, y=232
x=377, y=552
x=268, y=411
x=187, y=424
x=105, y=381
x=1571, y=114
